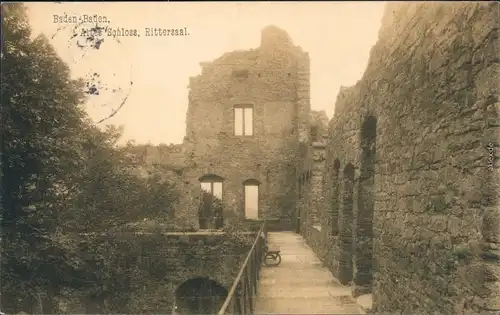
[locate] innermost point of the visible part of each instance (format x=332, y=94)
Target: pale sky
x=337, y=35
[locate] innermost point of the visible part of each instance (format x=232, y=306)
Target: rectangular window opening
x=243, y=121
x=248, y=121
x=251, y=202
x=206, y=187
x=240, y=73
x=238, y=121
x=217, y=190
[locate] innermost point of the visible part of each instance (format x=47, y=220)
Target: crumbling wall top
x=273, y=36
x=345, y=98
x=272, y=32
x=238, y=57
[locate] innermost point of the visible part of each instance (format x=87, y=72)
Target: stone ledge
x=318, y=145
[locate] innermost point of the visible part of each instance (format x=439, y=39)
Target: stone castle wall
x=164, y=262
x=310, y=176
x=172, y=155
x=398, y=195
x=410, y=168
x=274, y=80
x=169, y=162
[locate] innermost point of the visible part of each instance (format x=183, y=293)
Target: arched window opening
x=199, y=296
x=251, y=182
x=210, y=213
x=251, y=193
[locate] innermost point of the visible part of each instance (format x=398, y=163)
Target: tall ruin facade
x=248, y=115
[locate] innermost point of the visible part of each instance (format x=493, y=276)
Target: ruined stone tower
x=248, y=111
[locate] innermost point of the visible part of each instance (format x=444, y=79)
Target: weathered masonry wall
x=274, y=80
x=313, y=204
x=164, y=263
x=412, y=165
x=309, y=176
x=170, y=163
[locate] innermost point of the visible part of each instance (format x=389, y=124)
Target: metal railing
x=241, y=297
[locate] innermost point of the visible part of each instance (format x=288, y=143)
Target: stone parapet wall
x=166, y=261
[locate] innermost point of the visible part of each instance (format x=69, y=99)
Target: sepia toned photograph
x=250, y=158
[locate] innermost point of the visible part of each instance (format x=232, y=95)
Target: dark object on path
x=272, y=257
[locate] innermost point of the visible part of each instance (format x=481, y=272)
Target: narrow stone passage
x=300, y=284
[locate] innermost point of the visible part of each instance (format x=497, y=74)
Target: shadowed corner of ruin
x=368, y=209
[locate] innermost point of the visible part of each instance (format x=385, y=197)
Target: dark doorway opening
x=366, y=204
x=346, y=223
x=199, y=296
x=210, y=213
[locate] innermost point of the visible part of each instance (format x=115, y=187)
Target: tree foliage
x=210, y=211
x=61, y=176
